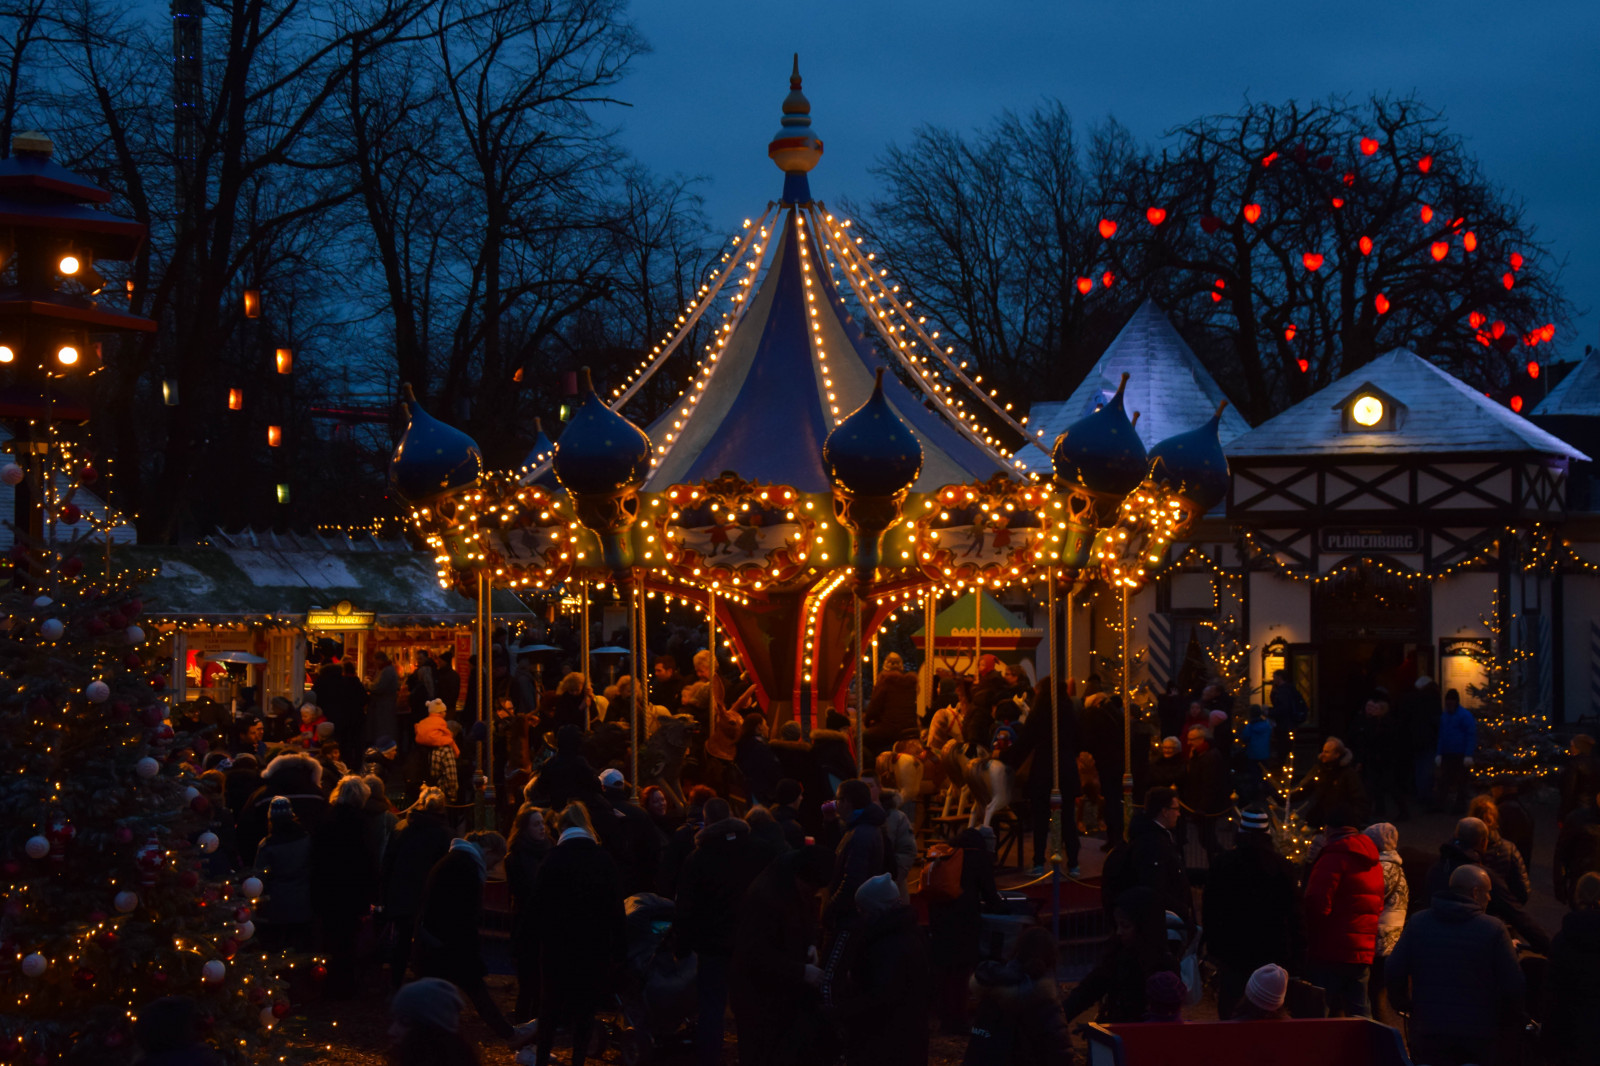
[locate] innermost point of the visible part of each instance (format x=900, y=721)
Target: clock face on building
x=1367, y=411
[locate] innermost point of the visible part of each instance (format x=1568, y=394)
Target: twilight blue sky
x=1519, y=81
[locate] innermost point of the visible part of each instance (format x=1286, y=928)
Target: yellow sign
x=343, y=616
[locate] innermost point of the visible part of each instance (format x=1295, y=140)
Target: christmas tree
x=1514, y=737
x=106, y=906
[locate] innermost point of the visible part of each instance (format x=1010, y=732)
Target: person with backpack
x=1018, y=1020
x=958, y=884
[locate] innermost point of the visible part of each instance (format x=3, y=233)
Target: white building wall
x=1279, y=607
x=1581, y=606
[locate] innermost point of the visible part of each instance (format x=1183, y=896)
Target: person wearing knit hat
x=1252, y=820
x=1264, y=994
x=876, y=895
x=427, y=1002
x=1164, y=994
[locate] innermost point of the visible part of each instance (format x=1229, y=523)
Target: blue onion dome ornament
x=872, y=459
x=432, y=459
x=601, y=460
x=1193, y=466
x=542, y=448
x=1101, y=453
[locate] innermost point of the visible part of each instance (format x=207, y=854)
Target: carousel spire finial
x=796, y=149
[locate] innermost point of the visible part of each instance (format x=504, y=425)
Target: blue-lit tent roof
x=775, y=395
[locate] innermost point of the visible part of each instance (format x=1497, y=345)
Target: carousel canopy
x=1167, y=385
x=1003, y=633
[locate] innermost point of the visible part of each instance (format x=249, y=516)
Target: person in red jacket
x=1344, y=896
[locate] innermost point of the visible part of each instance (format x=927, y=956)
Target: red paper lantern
x=1533, y=367
x=1426, y=213
x=1156, y=215
x=1312, y=261
x=1107, y=228
x=1216, y=297
x=1337, y=202
x=1268, y=159
x=70, y=512
x=1516, y=404
x=1381, y=302
x=1219, y=284
x=1469, y=241
x=1085, y=284
x=1251, y=213
x=1289, y=332
x=1516, y=261
x=1425, y=164
x=1350, y=177
x=1498, y=330
x=1305, y=365
x=1210, y=223
x=1369, y=146
x=1440, y=249
x=1475, y=319
x=1107, y=278
x=1366, y=245
x=1325, y=162
x=1508, y=279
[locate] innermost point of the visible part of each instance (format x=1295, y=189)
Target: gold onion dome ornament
x=432, y=459
x=872, y=459
x=795, y=148
x=602, y=460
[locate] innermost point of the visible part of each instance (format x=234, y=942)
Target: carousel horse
x=985, y=776
x=913, y=770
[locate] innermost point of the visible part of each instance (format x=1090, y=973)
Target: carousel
x=830, y=463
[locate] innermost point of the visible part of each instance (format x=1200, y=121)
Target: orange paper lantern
x=284, y=357
x=235, y=399
x=274, y=436
x=1533, y=368
x=1426, y=213
x=1469, y=241
x=1365, y=245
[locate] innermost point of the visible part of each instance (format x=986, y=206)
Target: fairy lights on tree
x=1514, y=736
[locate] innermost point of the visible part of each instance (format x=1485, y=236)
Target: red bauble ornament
x=123, y=834
x=1381, y=303
x=319, y=971
x=1312, y=261
x=72, y=567
x=153, y=714
x=69, y=514
x=83, y=978
x=258, y=996
x=199, y=805
x=280, y=1009
x=158, y=681
x=229, y=948
x=134, y=607
x=188, y=879
x=87, y=473
x=242, y=914
x=96, y=626
x=133, y=662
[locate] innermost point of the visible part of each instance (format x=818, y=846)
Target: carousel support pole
x=1058, y=691
x=711, y=627
x=861, y=707
x=977, y=627
x=1072, y=592
x=930, y=689
x=485, y=672
x=1127, y=722
x=639, y=671
x=583, y=637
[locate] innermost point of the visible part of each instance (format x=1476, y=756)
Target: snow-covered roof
x=1167, y=385
x=1578, y=393
x=1442, y=415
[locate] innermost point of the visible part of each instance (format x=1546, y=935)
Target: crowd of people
x=782, y=881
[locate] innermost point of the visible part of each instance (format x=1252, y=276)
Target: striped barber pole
x=1547, y=668
x=1161, y=661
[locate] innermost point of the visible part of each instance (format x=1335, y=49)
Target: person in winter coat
x=773, y=980
x=755, y=759
x=882, y=1001
x=955, y=928
x=382, y=715
x=1151, y=858
x=630, y=835
x=1344, y=896
x=581, y=952
x=1455, y=971
x=1252, y=909
x=243, y=777
x=1452, y=758
x=1577, y=849
x=1471, y=838
x=1392, y=919
x=530, y=843
x=1018, y=1013
x=1572, y=981
x=860, y=854
x=900, y=839
x=1579, y=779
x=1264, y=996
x=283, y=863
x=381, y=821
x=1255, y=755
x=1379, y=741
x=1138, y=949
x=295, y=776
x=420, y=841
x=681, y=843
x=710, y=889
x=1100, y=729
x=344, y=881
x=1166, y=768
x=1500, y=856
x=892, y=709
x=1038, y=740
x=788, y=796
x=797, y=763
x=1335, y=787
x=567, y=776
x=1205, y=791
